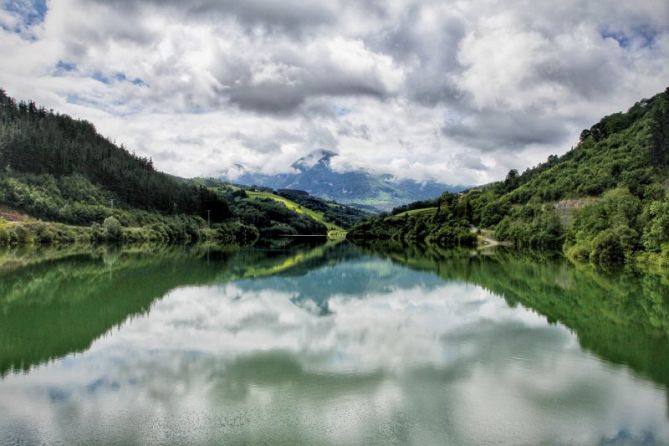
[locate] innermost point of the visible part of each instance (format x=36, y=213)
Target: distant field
x=333, y=229
x=430, y=210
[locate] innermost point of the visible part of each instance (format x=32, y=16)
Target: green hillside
x=285, y=212
x=61, y=181
x=43, y=143
x=604, y=201
x=317, y=216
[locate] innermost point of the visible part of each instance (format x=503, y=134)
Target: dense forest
x=40, y=142
x=605, y=201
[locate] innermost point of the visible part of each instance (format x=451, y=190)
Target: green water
x=328, y=345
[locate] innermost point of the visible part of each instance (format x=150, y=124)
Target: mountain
x=315, y=175
x=605, y=201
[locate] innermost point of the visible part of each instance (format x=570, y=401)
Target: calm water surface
x=329, y=345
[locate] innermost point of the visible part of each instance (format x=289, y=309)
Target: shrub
x=607, y=249
x=113, y=229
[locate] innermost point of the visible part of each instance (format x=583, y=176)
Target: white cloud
x=459, y=92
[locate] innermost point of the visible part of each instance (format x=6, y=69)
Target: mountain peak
x=314, y=175
x=321, y=156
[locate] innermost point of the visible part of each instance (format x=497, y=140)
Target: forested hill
x=40, y=142
x=604, y=201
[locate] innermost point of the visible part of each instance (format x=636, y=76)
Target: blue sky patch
x=30, y=11
x=342, y=111
x=643, y=36
x=65, y=67
x=619, y=36
x=116, y=77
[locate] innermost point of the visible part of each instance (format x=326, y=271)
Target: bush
x=607, y=249
x=112, y=229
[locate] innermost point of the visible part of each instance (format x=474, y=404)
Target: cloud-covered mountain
x=314, y=174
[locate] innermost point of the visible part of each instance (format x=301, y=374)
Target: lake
x=328, y=344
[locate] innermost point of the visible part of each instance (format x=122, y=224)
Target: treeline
x=605, y=201
x=180, y=229
x=40, y=142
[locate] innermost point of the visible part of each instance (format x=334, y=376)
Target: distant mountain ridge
x=314, y=174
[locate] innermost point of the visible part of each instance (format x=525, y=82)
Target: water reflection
x=326, y=346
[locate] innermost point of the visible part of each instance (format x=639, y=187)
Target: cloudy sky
x=459, y=91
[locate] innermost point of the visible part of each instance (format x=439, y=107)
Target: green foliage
x=444, y=225
x=274, y=220
x=297, y=213
x=112, y=229
x=607, y=249
x=230, y=234
x=606, y=232
x=656, y=228
x=534, y=225
x=37, y=232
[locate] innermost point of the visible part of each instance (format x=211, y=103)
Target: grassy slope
x=427, y=210
x=333, y=230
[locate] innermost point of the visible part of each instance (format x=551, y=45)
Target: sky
x=456, y=91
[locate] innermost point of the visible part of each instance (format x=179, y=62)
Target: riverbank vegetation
x=605, y=201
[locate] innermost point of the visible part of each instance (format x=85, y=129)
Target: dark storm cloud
x=356, y=131
x=470, y=162
x=588, y=74
x=278, y=98
x=271, y=145
x=491, y=130
x=288, y=15
x=283, y=79
x=429, y=53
